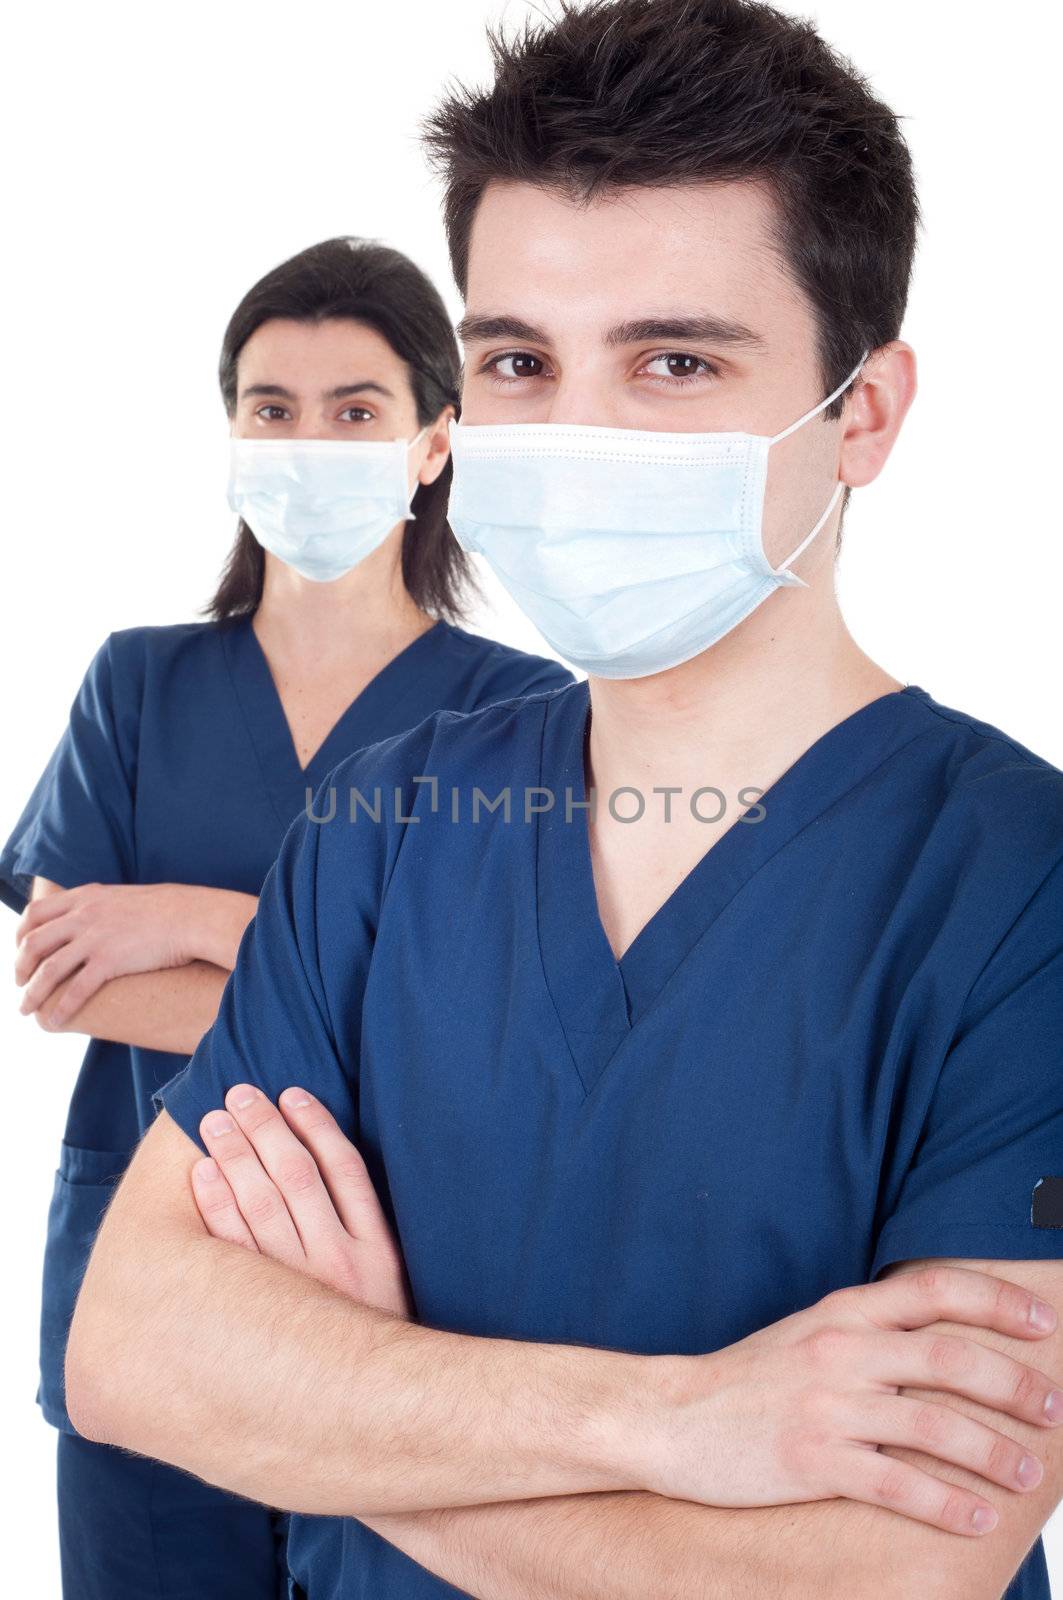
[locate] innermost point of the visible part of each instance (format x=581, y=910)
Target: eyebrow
x=341, y=393
x=674, y=326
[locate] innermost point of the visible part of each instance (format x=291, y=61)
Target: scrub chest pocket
x=85, y=1181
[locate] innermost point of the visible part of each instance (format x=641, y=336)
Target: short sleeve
x=77, y=826
x=994, y=1130
x=290, y=1011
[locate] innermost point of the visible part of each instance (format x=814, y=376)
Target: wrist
x=549, y=1419
x=675, y=1385
x=213, y=923
x=177, y=905
x=641, y=1423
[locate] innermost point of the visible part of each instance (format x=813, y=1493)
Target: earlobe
x=880, y=406
x=431, y=467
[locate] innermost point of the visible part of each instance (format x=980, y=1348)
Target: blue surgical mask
x=321, y=505
x=630, y=551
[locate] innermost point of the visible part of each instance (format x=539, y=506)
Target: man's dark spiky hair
x=617, y=93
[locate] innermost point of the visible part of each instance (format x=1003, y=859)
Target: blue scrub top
x=838, y=1044
x=178, y=766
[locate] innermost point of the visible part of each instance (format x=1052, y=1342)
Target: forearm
x=169, y=1010
x=215, y=922
x=265, y=1382
x=625, y=1546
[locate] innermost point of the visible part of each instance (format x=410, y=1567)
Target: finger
x=963, y=1366
x=68, y=998
x=341, y=1166
x=43, y=910
x=39, y=943
x=290, y=1165
x=217, y=1206
x=949, y=1294
x=49, y=975
x=949, y=1435
x=261, y=1204
x=880, y=1480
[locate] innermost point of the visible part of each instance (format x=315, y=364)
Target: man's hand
x=295, y=1188
x=793, y=1413
x=800, y=1407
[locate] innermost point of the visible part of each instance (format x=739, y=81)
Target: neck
x=362, y=615
x=744, y=710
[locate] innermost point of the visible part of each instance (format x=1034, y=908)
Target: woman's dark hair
x=616, y=93
x=376, y=285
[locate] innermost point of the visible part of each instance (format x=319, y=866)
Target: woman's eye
x=366, y=416
x=262, y=412
x=680, y=367
x=520, y=360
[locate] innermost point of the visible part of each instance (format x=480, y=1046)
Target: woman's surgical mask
x=321, y=505
x=630, y=551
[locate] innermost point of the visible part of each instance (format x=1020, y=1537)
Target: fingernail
x=241, y=1098
x=221, y=1125
x=1054, y=1406
x=1029, y=1471
x=295, y=1098
x=982, y=1520
x=208, y=1171
x=1042, y=1316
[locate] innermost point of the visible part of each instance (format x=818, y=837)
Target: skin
x=757, y=699
x=258, y=1191
x=141, y=964
x=114, y=960
x=765, y=692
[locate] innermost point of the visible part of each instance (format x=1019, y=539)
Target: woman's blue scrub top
x=178, y=766
x=838, y=1044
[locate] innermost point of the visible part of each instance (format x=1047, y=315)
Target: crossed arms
x=516, y=1471
x=66, y=960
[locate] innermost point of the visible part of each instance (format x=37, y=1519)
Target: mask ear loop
x=823, y=404
x=410, y=514
x=791, y=577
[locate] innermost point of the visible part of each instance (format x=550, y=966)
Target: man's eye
x=680, y=367
x=521, y=360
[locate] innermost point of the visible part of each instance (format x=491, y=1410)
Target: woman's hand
x=93, y=933
x=291, y=1185
x=101, y=931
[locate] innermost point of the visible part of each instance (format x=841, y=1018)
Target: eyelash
x=368, y=415
x=489, y=367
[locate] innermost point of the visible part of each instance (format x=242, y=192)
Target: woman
x=190, y=748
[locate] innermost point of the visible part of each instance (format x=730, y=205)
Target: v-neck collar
x=286, y=782
x=600, y=1000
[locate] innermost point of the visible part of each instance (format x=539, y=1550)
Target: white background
x=161, y=160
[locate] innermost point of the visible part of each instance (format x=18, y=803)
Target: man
x=677, y=1074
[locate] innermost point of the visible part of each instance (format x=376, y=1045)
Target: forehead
x=283, y=347
x=559, y=262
